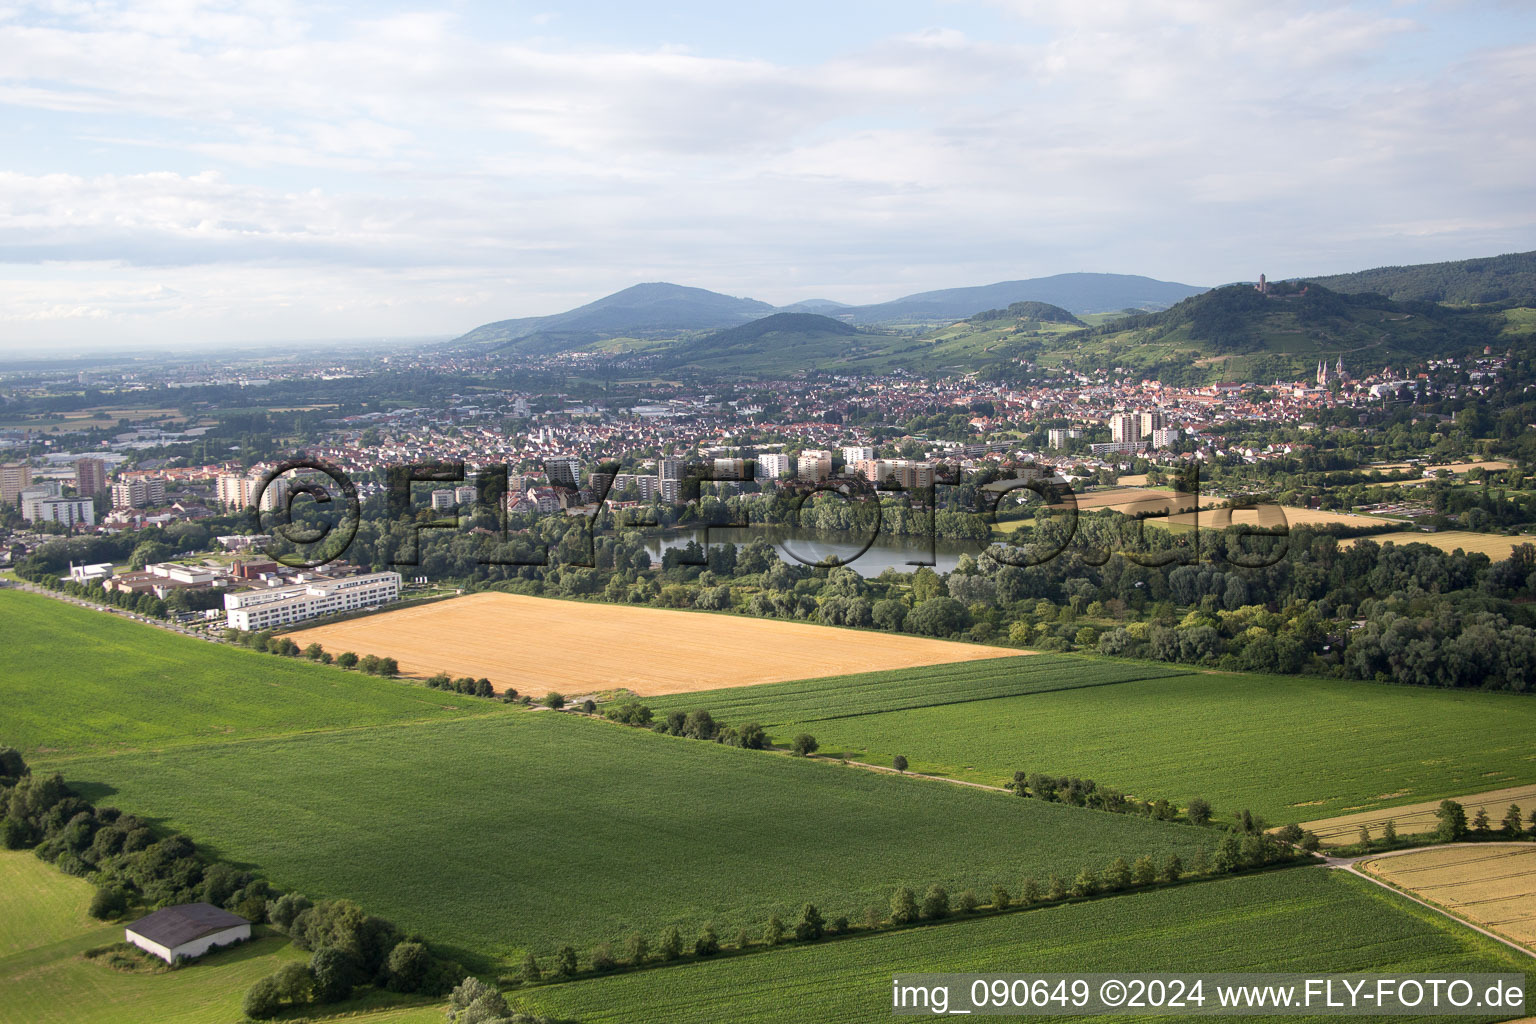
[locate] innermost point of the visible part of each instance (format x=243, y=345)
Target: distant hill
x=641, y=310
x=813, y=306
x=1041, y=311
x=1508, y=278
x=781, y=342
x=1078, y=293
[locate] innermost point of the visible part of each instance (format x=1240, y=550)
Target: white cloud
x=470, y=175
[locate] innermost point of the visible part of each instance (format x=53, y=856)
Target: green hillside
x=79, y=680
x=1507, y=278
x=1231, y=333
x=783, y=342
x=1236, y=333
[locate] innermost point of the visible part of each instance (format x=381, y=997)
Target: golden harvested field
x=1221, y=518
x=1419, y=817
x=1495, y=546
x=1490, y=884
x=538, y=645
x=1454, y=467
x=1136, y=500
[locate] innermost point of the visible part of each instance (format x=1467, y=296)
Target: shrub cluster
x=695, y=725
x=1087, y=793
x=119, y=852
x=348, y=948
x=475, y=1002
x=465, y=685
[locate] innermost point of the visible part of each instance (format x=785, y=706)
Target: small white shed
x=187, y=931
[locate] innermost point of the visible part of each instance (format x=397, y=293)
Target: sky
x=199, y=173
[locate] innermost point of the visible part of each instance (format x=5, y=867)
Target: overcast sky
x=188, y=172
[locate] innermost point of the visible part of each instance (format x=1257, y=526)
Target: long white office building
x=270, y=607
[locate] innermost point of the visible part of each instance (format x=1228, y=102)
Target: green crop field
x=810, y=700
x=44, y=980
x=78, y=680
x=537, y=828
x=1288, y=747
x=1308, y=920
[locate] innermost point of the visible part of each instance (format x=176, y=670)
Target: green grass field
x=77, y=680
x=1288, y=747
x=537, y=828
x=44, y=980
x=1308, y=920
x=812, y=700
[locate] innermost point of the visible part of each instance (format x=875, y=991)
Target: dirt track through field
x=538, y=645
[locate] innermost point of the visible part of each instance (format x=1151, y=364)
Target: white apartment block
x=138, y=492
x=270, y=607
x=771, y=467
x=69, y=511
x=857, y=453
x=238, y=491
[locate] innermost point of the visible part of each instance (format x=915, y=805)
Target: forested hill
x=642, y=310
x=1237, y=333
x=1510, y=278
x=1041, y=311
x=778, y=342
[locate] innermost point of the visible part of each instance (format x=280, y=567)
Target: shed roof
x=176, y=926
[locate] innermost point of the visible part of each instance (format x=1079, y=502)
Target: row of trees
x=464, y=684
x=1087, y=793
x=1234, y=852
x=265, y=640
x=701, y=725
x=1452, y=825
